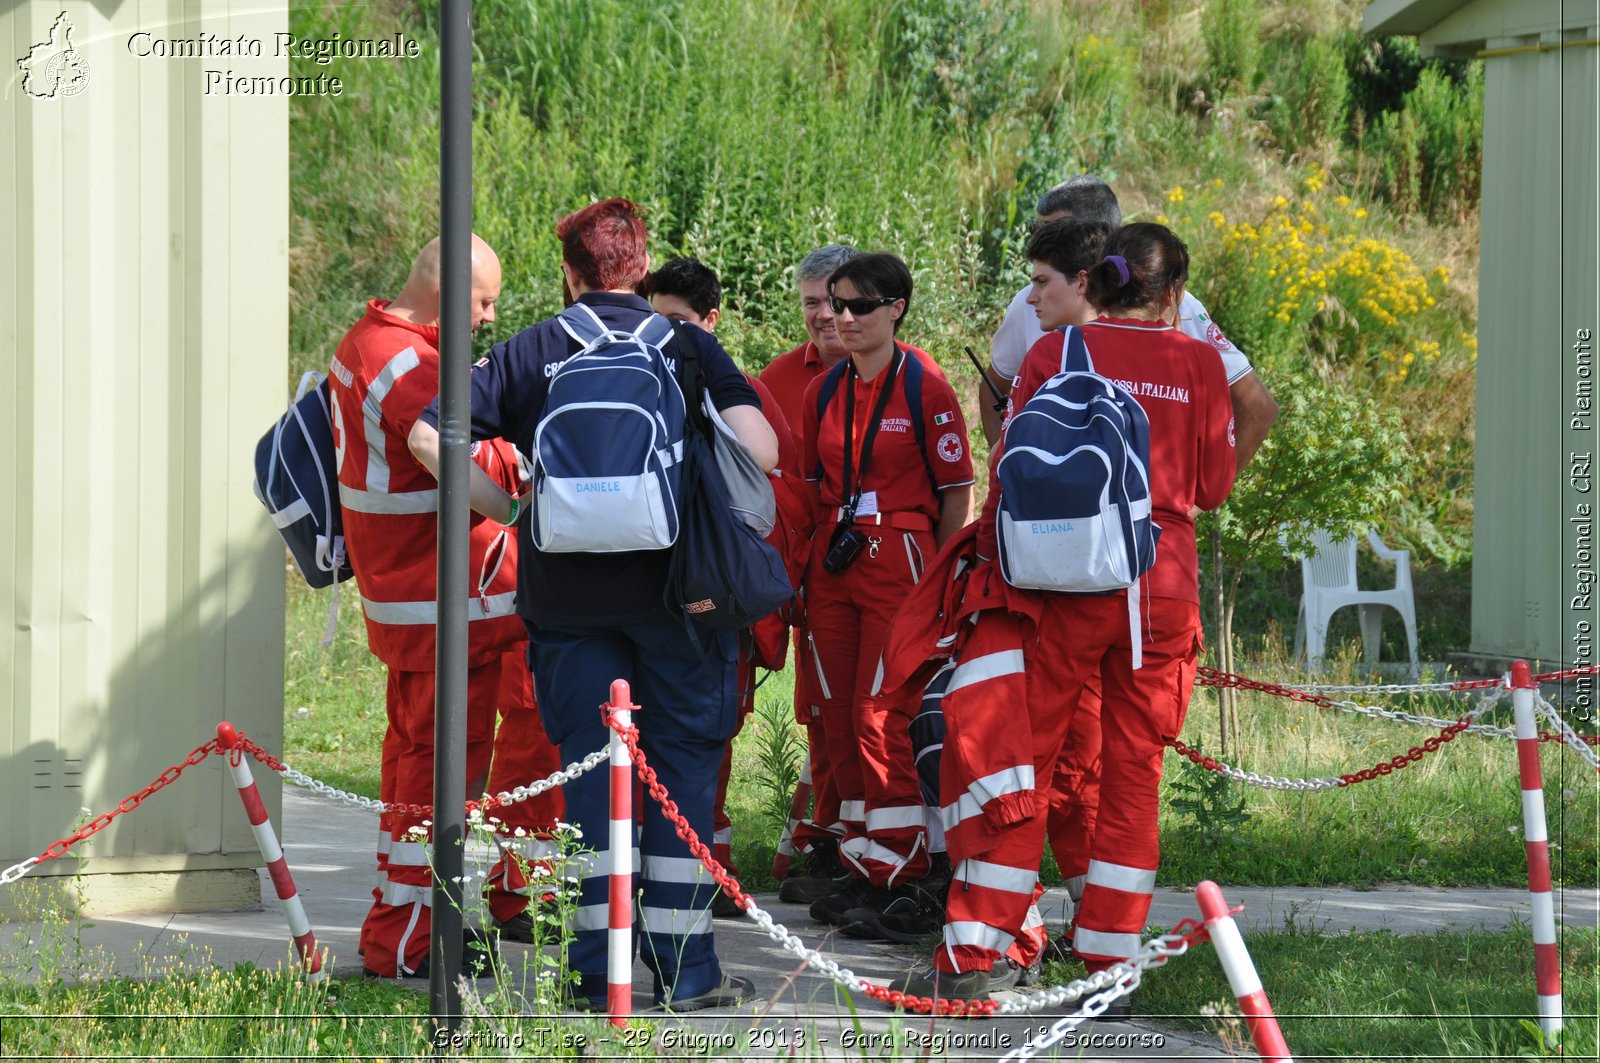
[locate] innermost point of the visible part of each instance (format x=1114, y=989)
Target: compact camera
x=843, y=548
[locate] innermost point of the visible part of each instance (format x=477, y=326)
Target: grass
x=1376, y=995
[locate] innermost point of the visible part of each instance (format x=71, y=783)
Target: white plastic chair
x=1329, y=577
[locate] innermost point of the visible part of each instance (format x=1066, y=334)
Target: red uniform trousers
x=523, y=754
x=825, y=824
x=1081, y=636
x=1075, y=793
x=873, y=765
x=396, y=928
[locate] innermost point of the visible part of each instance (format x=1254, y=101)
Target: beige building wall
x=143, y=334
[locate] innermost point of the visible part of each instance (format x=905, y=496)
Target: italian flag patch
x=943, y=418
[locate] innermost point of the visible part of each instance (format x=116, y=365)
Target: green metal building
x=143, y=335
x=1537, y=496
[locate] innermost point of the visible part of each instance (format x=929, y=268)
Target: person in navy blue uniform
x=593, y=618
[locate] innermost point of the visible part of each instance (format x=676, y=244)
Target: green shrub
x=1312, y=93
x=1232, y=32
x=1431, y=150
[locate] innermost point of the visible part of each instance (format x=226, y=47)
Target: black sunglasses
x=860, y=307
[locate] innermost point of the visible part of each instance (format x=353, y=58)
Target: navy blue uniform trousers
x=687, y=706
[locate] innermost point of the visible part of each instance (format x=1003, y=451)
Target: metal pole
x=455, y=419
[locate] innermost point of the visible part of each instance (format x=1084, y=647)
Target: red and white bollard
x=797, y=812
x=1536, y=839
x=1241, y=972
x=305, y=943
x=619, y=934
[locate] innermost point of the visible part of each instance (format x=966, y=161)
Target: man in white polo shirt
x=1091, y=199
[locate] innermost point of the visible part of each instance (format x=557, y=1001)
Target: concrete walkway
x=328, y=847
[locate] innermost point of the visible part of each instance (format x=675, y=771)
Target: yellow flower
x=1175, y=194
x=1161, y=219
x=1280, y=202
x=1216, y=219
x=1360, y=213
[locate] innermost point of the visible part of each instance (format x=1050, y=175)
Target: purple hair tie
x=1122, y=268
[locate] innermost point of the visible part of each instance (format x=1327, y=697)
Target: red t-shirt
x=1184, y=391
x=898, y=473
x=789, y=374
x=788, y=441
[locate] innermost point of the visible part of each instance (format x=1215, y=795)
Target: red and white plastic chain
x=101, y=822
x=488, y=804
x=1382, y=768
x=1214, y=678
x=1120, y=978
x=1567, y=735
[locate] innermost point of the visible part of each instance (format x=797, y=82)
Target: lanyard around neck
x=872, y=427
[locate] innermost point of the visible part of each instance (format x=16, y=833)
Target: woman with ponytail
x=1077, y=638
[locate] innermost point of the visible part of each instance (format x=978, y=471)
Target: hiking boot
x=935, y=984
x=1009, y=974
x=730, y=993
x=915, y=913
x=832, y=908
x=917, y=907
x=823, y=874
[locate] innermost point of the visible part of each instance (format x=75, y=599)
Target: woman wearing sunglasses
x=886, y=446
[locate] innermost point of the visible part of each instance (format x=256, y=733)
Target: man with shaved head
x=385, y=371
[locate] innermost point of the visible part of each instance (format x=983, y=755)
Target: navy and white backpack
x=608, y=449
x=1075, y=508
x=297, y=479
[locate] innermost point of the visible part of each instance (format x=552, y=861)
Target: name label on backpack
x=600, y=485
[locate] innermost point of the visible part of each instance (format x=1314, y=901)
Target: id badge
x=868, y=506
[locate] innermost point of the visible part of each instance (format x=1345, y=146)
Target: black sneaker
x=732, y=992
x=723, y=906
x=832, y=908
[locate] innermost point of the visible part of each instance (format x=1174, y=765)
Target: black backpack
x=297, y=480
x=723, y=574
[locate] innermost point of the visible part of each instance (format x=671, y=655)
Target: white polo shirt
x=1020, y=331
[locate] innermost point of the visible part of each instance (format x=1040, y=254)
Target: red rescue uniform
x=385, y=371
x=848, y=613
x=1181, y=386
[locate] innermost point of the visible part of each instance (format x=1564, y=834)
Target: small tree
x=1334, y=460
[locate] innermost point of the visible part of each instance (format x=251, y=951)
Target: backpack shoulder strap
x=654, y=331
x=691, y=378
x=583, y=324
x=1074, y=351
x=912, y=371
x=825, y=394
